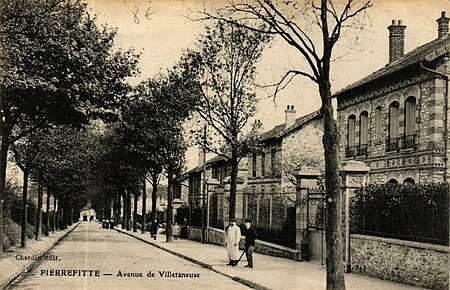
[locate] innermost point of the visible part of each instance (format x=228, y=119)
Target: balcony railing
x=405, y=142
x=361, y=150
x=350, y=151
x=409, y=141
x=392, y=144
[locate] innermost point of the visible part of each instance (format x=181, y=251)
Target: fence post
x=353, y=175
x=305, y=177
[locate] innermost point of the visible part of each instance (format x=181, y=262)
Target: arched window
x=378, y=120
x=392, y=181
x=393, y=127
x=410, y=123
x=351, y=136
x=408, y=181
x=410, y=116
x=363, y=127
x=363, y=133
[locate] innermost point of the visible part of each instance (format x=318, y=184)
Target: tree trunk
x=128, y=210
x=124, y=210
x=154, y=195
x=23, y=235
x=144, y=206
x=333, y=231
x=47, y=219
x=117, y=209
x=58, y=216
x=233, y=185
x=169, y=220
x=70, y=219
x=135, y=200
x=54, y=214
x=3, y=163
x=39, y=212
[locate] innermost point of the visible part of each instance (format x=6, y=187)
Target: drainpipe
x=444, y=76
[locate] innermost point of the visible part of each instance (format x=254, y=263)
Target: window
x=350, y=151
x=410, y=116
x=363, y=133
x=263, y=164
x=410, y=123
x=378, y=121
x=392, y=142
x=254, y=165
x=177, y=190
x=273, y=153
x=392, y=181
x=408, y=181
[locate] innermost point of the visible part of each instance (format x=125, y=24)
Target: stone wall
x=418, y=264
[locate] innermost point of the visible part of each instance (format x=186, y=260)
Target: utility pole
x=204, y=229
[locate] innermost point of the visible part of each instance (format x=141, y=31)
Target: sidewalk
x=268, y=272
x=11, y=264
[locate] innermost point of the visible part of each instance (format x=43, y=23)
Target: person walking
x=232, y=239
x=250, y=237
x=154, y=228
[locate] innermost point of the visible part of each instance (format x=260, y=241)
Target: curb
x=24, y=268
x=245, y=282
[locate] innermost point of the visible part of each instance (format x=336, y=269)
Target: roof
x=427, y=52
x=214, y=159
x=280, y=130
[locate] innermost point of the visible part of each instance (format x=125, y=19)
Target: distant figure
x=175, y=231
x=103, y=224
x=232, y=239
x=111, y=224
x=250, y=237
x=107, y=224
x=154, y=228
x=184, y=232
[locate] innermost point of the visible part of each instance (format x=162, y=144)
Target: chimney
x=442, y=25
x=396, y=40
x=290, y=116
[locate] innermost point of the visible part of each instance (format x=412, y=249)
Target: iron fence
x=416, y=213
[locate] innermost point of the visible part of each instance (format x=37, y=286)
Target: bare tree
x=227, y=58
x=313, y=28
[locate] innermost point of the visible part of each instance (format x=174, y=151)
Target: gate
x=316, y=220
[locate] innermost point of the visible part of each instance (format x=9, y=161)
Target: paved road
x=94, y=258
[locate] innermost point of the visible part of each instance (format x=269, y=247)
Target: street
x=95, y=258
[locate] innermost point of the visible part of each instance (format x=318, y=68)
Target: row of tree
x=58, y=72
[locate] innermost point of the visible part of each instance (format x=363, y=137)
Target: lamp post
x=204, y=188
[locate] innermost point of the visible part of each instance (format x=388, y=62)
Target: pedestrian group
x=233, y=237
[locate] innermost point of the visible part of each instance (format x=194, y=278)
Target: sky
x=162, y=29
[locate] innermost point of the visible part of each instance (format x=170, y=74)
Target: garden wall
x=418, y=264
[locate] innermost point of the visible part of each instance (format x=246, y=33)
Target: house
x=218, y=171
x=285, y=148
x=397, y=118
x=270, y=196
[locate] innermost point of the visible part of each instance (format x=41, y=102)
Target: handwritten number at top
x=147, y=14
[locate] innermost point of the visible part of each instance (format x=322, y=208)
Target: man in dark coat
x=250, y=237
x=154, y=228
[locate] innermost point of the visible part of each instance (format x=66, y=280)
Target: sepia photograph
x=224, y=144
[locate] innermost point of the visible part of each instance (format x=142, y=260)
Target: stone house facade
x=284, y=148
x=270, y=194
x=397, y=119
